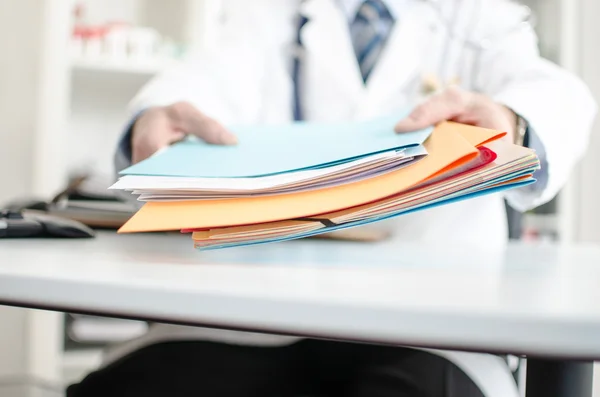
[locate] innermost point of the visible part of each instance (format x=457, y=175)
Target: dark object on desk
x=95, y=214
x=94, y=208
x=30, y=204
x=15, y=224
x=94, y=205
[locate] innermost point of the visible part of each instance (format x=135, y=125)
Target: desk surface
x=540, y=300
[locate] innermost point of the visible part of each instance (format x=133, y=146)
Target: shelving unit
x=79, y=87
x=78, y=363
x=73, y=113
x=148, y=67
x=100, y=88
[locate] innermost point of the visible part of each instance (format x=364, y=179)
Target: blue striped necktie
x=369, y=31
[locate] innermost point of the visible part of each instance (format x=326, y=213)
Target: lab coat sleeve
x=122, y=157
x=557, y=105
x=122, y=160
x=534, y=142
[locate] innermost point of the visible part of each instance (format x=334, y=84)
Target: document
x=332, y=187
x=150, y=188
x=449, y=146
x=502, y=165
x=269, y=150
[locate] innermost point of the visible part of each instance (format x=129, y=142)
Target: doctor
x=275, y=61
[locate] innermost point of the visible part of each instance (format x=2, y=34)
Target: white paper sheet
x=181, y=187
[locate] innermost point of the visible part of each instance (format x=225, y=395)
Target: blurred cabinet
x=100, y=88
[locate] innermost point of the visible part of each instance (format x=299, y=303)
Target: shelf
x=76, y=364
x=142, y=67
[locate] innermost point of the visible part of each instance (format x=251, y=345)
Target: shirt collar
x=395, y=7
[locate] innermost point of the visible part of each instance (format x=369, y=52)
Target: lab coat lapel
x=328, y=59
x=396, y=74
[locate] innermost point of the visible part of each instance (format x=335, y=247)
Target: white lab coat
x=246, y=79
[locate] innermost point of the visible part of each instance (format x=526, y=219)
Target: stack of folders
x=299, y=180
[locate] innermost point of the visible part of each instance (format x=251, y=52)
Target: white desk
x=540, y=301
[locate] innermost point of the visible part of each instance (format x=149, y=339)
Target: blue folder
x=270, y=150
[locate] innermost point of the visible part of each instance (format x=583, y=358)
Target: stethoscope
x=430, y=84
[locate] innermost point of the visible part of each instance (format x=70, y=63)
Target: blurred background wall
x=20, y=48
x=587, y=197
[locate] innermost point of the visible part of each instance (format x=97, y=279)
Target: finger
x=484, y=112
x=211, y=131
x=441, y=107
x=191, y=120
x=153, y=142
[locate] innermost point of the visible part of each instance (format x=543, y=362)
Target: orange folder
x=450, y=145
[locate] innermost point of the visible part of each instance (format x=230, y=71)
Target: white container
x=93, y=44
x=143, y=44
x=77, y=46
x=116, y=43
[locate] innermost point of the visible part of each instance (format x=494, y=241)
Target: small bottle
x=79, y=31
x=143, y=43
x=93, y=42
x=115, y=41
x=77, y=42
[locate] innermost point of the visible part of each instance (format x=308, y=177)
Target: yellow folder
x=449, y=146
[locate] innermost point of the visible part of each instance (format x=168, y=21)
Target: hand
x=455, y=104
x=161, y=126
